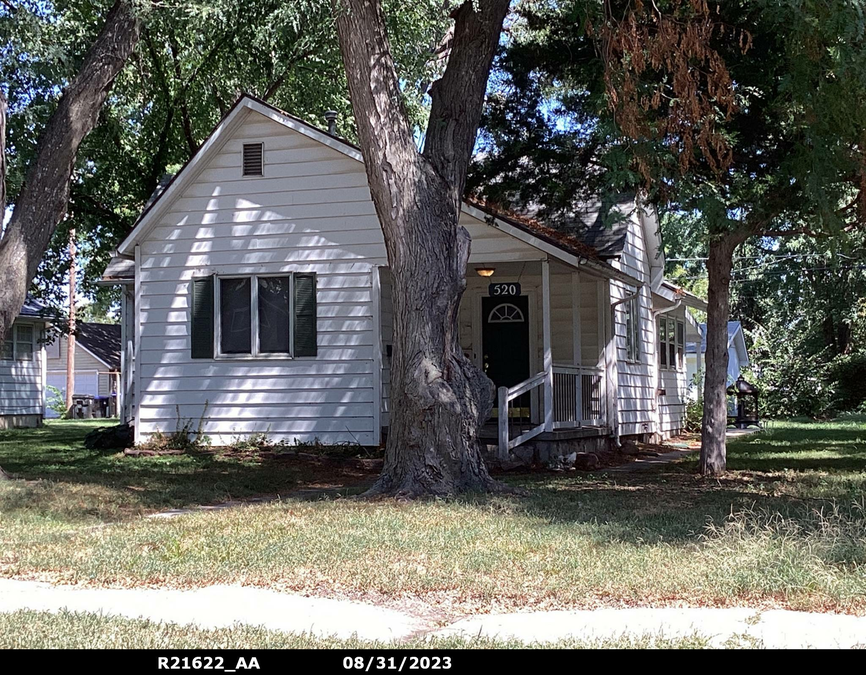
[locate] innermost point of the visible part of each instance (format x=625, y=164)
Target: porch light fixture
x=485, y=271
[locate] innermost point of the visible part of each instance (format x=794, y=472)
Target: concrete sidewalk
x=225, y=606
x=776, y=629
x=218, y=607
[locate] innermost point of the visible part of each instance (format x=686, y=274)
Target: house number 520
x=503, y=290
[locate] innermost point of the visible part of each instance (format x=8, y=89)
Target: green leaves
x=194, y=60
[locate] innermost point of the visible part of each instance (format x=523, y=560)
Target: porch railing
x=578, y=396
x=578, y=400
x=506, y=396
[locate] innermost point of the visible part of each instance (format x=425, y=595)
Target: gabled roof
x=212, y=143
x=540, y=236
x=34, y=309
x=120, y=270
x=669, y=291
x=736, y=338
x=601, y=225
x=102, y=340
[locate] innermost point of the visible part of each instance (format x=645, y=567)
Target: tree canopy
x=194, y=60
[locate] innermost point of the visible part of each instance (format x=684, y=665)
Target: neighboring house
x=738, y=356
x=257, y=297
x=97, y=361
x=22, y=369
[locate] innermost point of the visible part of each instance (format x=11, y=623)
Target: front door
x=505, y=343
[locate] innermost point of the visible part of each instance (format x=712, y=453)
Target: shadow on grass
x=114, y=485
x=789, y=469
x=668, y=504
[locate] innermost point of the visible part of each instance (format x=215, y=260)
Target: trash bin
x=82, y=406
x=100, y=406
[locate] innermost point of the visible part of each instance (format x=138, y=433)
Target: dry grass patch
x=664, y=537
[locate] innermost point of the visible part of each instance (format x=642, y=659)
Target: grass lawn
x=78, y=630
x=786, y=527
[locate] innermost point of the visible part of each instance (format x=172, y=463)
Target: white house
x=97, y=362
x=22, y=369
x=738, y=355
x=256, y=296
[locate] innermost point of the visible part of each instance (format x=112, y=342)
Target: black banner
x=347, y=661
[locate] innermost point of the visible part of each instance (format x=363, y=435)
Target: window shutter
x=202, y=318
x=305, y=315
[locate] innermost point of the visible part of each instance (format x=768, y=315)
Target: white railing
x=578, y=400
x=506, y=396
x=578, y=396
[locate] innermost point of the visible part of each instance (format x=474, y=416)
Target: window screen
x=274, y=315
x=235, y=315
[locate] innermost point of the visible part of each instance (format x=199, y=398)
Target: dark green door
x=505, y=343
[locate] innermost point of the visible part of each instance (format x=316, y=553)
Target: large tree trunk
x=715, y=421
x=439, y=398
x=42, y=202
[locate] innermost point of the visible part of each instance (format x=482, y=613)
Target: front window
x=20, y=344
x=672, y=333
x=255, y=315
x=236, y=327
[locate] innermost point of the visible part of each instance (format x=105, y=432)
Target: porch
x=540, y=330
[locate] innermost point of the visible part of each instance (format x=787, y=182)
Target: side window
x=672, y=336
x=632, y=329
x=24, y=343
x=274, y=315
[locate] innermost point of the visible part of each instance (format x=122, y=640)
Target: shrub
x=694, y=415
x=56, y=401
x=258, y=440
x=848, y=374
x=184, y=438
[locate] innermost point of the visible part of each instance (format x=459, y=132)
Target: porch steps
x=489, y=433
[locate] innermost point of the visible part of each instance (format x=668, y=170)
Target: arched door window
x=505, y=313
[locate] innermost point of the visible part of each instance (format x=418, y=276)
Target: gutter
x=615, y=412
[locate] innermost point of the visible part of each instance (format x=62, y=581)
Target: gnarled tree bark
x=42, y=202
x=439, y=397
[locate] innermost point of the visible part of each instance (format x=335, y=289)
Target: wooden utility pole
x=70, y=338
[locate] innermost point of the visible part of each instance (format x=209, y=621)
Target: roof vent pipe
x=331, y=117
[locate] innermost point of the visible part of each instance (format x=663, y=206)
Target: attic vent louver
x=253, y=159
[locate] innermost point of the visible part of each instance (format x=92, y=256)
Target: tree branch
x=458, y=97
x=43, y=200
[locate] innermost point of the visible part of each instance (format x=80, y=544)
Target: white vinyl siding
x=673, y=382
x=636, y=391
x=311, y=212
x=387, y=333
x=21, y=379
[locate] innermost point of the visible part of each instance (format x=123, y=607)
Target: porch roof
x=564, y=247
